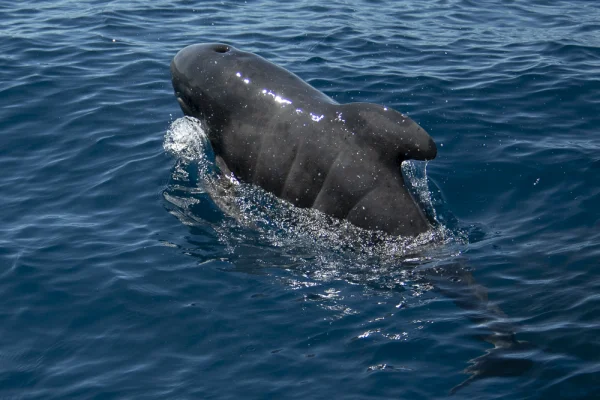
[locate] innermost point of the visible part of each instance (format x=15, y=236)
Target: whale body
x=270, y=128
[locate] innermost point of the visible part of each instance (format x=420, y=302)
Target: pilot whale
x=270, y=128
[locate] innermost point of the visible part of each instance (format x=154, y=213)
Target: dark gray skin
x=272, y=129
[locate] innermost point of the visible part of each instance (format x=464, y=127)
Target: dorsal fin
x=393, y=135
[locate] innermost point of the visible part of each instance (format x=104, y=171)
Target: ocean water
x=127, y=270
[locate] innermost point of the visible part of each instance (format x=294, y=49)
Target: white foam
x=186, y=139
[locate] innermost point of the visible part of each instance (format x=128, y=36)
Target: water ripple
x=106, y=294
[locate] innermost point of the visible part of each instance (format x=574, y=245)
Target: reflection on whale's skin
x=270, y=128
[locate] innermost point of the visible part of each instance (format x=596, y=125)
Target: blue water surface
x=123, y=276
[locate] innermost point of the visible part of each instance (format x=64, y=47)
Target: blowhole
x=221, y=48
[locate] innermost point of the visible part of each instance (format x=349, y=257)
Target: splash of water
x=282, y=224
x=186, y=139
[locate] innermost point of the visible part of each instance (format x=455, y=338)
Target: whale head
x=193, y=71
